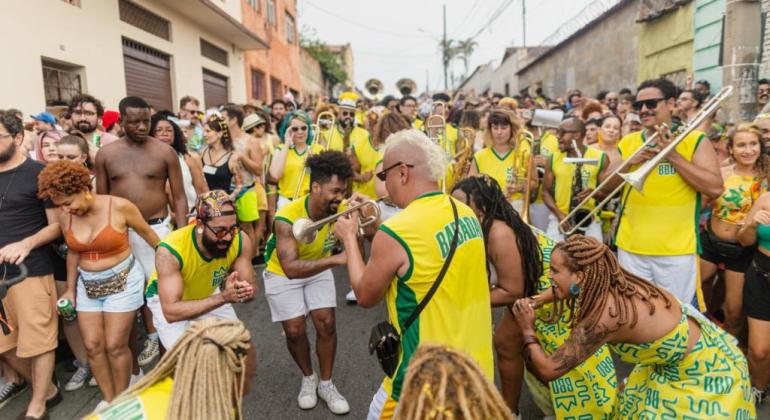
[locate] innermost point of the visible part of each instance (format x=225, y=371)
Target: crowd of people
x=442, y=207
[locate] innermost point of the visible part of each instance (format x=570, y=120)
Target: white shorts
x=282, y=201
x=170, y=333
x=387, y=211
x=293, y=298
x=382, y=406
x=594, y=230
x=538, y=216
x=144, y=253
x=676, y=273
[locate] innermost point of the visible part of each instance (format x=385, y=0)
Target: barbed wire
x=584, y=17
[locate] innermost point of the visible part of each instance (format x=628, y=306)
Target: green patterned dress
x=711, y=382
x=587, y=392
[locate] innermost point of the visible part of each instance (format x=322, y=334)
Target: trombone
x=528, y=179
x=316, y=135
x=306, y=230
x=637, y=177
x=462, y=160
x=435, y=128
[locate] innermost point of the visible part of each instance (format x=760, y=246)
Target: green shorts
x=246, y=207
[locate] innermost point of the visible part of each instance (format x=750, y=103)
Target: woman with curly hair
x=685, y=365
x=104, y=282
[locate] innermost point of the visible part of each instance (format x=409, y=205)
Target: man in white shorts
x=201, y=269
x=299, y=281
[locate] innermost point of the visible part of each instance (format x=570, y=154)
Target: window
x=61, y=82
x=144, y=19
x=213, y=52
x=271, y=12
x=254, y=4
x=276, y=88
x=258, y=85
x=290, y=36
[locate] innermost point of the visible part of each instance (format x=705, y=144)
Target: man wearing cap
x=345, y=133
x=44, y=121
x=201, y=269
x=87, y=113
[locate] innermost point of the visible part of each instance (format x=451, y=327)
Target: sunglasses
x=347, y=113
x=299, y=128
x=221, y=232
x=383, y=174
x=649, y=103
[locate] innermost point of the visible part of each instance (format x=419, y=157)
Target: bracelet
x=529, y=339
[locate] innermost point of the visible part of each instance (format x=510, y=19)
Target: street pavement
x=274, y=390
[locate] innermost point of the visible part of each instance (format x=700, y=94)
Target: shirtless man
x=137, y=167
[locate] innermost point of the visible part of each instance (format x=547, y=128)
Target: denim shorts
x=128, y=300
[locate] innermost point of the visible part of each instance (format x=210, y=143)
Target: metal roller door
x=148, y=74
x=214, y=89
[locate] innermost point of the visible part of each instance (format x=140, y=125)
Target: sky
x=392, y=39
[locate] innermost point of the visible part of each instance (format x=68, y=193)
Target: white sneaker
x=307, y=398
x=102, y=405
x=150, y=351
x=351, y=297
x=135, y=378
x=79, y=379
x=334, y=400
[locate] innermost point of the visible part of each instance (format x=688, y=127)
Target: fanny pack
x=116, y=283
x=725, y=249
x=384, y=339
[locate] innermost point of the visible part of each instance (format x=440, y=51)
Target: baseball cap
x=45, y=117
x=109, y=119
x=251, y=121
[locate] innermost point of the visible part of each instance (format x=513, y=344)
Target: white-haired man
x=408, y=252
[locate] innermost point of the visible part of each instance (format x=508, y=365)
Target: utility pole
x=741, y=51
x=427, y=81
x=523, y=23
x=445, y=53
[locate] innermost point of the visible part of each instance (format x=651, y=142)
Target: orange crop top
x=106, y=243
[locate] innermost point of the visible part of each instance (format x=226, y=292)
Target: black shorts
x=735, y=257
x=756, y=290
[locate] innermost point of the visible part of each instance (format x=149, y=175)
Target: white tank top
x=189, y=190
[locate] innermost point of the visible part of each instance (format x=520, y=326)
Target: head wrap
x=213, y=204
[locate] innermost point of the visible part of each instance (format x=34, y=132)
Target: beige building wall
x=310, y=75
x=90, y=36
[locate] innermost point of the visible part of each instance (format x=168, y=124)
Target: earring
x=199, y=230
x=574, y=289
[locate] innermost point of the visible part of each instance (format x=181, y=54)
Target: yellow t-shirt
x=459, y=314
x=337, y=141
x=417, y=123
x=549, y=145
x=368, y=157
x=319, y=248
x=505, y=169
x=564, y=175
x=201, y=276
x=150, y=404
x=663, y=220
x=292, y=171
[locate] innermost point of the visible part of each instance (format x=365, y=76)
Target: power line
x=367, y=27
x=493, y=17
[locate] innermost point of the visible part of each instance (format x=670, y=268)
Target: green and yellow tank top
x=668, y=208
x=564, y=175
x=319, y=248
x=337, y=140
x=292, y=171
x=150, y=404
x=741, y=191
x=459, y=313
x=505, y=169
x=368, y=157
x=201, y=275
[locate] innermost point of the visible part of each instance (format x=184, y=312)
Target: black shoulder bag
x=385, y=339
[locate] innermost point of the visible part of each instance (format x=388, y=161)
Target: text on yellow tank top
x=292, y=171
x=663, y=220
x=150, y=404
x=201, y=275
x=564, y=175
x=368, y=157
x=459, y=313
x=319, y=248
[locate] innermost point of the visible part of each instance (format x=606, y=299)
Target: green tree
x=465, y=49
x=331, y=69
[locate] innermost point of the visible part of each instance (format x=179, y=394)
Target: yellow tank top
x=337, y=141
x=549, y=145
x=320, y=247
x=201, y=275
x=664, y=219
x=564, y=174
x=368, y=157
x=735, y=202
x=150, y=404
x=505, y=169
x=292, y=171
x=459, y=313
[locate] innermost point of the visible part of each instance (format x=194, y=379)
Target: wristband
x=529, y=339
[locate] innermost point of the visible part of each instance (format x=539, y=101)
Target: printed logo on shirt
x=469, y=229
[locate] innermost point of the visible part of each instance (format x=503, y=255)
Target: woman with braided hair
x=203, y=377
x=443, y=383
x=517, y=271
x=685, y=365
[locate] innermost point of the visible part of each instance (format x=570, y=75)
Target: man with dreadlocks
x=523, y=270
x=685, y=365
x=213, y=358
x=202, y=269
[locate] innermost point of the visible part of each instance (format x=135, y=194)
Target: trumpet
x=320, y=122
x=528, y=179
x=306, y=230
x=461, y=163
x=637, y=177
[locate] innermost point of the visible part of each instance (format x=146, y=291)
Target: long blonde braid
x=603, y=277
x=206, y=364
x=443, y=383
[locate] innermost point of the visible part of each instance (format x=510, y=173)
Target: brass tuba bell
x=374, y=87
x=406, y=86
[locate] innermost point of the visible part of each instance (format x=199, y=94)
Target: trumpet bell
x=303, y=230
x=636, y=179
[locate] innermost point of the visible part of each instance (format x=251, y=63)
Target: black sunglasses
x=221, y=232
x=299, y=128
x=384, y=173
x=649, y=103
x=347, y=113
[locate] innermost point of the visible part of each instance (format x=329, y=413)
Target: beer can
x=66, y=310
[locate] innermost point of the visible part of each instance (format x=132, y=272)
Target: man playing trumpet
x=299, y=281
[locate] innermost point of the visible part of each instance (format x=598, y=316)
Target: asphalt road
x=275, y=388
